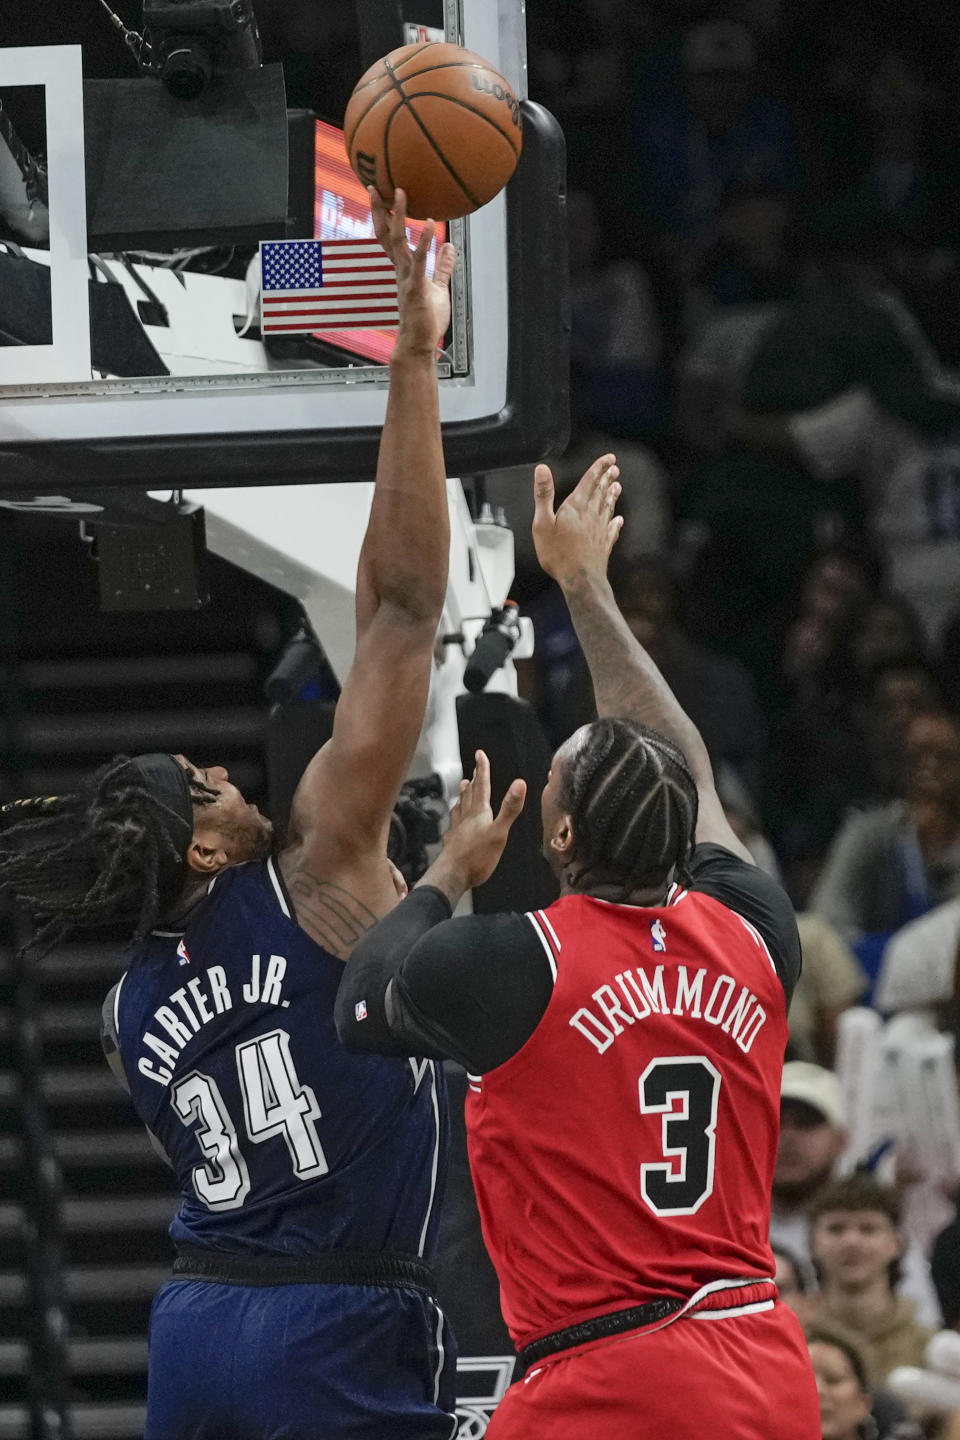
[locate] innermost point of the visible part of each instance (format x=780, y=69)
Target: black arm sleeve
x=360, y=1012
x=472, y=990
x=758, y=898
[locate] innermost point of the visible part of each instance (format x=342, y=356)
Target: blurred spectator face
x=933, y=758
x=884, y=631
x=853, y=1249
x=808, y=1150
x=719, y=60
x=754, y=228
x=844, y=1404
x=833, y=588
x=648, y=605
x=899, y=696
x=790, y=1290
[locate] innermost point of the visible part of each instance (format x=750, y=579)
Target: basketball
x=440, y=123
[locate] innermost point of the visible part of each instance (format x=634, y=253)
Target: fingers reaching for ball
x=424, y=303
x=390, y=223
x=578, y=537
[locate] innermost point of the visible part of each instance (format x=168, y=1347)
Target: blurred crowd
x=765, y=263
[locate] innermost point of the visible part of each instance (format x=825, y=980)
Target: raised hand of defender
x=576, y=540
x=424, y=301
x=476, y=838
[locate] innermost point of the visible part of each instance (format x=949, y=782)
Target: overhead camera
x=191, y=40
x=416, y=823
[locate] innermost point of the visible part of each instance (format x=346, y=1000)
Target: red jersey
x=626, y=1151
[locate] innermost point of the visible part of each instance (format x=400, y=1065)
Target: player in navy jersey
x=624, y=1049
x=301, y=1305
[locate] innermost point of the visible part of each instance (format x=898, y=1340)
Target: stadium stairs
x=79, y=687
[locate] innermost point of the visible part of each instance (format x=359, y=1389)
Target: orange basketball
x=440, y=123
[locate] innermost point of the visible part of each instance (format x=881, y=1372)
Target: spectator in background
x=715, y=129
x=842, y=1386
x=715, y=691
x=812, y=1139
x=578, y=69
x=743, y=817
x=886, y=628
x=751, y=263
x=850, y=1408
x=794, y=1284
x=616, y=348
x=888, y=157
x=920, y=967
x=737, y=295
x=831, y=981
x=834, y=590
x=945, y=1266
x=849, y=387
x=893, y=863
x=838, y=748
x=855, y=1243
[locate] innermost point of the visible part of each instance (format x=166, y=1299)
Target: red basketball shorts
x=742, y=1377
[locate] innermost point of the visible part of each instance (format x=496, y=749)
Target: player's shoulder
x=720, y=873
x=757, y=900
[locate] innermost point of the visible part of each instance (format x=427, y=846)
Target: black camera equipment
x=188, y=41
x=302, y=663
x=415, y=824
x=497, y=639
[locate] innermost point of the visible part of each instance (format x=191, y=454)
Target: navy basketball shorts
x=298, y=1362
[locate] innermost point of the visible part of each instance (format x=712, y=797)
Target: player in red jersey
x=625, y=1048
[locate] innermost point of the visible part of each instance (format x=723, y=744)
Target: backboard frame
x=511, y=407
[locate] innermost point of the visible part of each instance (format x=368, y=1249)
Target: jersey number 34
x=274, y=1103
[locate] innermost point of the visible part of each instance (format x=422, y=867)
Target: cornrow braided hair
x=633, y=802
x=96, y=857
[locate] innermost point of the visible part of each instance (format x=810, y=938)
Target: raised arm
x=336, y=864
x=573, y=545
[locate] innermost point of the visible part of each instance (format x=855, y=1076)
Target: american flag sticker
x=360, y=1009
x=325, y=285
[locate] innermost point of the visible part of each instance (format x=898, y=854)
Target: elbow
x=411, y=603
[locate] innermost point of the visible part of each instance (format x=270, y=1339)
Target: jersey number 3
x=274, y=1103
x=684, y=1089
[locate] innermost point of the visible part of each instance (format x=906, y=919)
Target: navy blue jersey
x=281, y=1141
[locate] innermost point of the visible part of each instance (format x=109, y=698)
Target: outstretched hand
x=476, y=838
x=577, y=538
x=424, y=301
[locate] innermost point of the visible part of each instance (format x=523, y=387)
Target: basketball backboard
x=187, y=392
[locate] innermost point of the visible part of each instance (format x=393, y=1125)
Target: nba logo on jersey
x=658, y=935
x=360, y=1009
x=183, y=955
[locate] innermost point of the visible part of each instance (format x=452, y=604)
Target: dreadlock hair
x=97, y=857
x=633, y=803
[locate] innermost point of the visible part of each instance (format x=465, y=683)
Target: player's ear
x=206, y=859
x=561, y=840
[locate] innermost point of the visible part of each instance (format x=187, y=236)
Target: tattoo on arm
x=626, y=681
x=329, y=914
